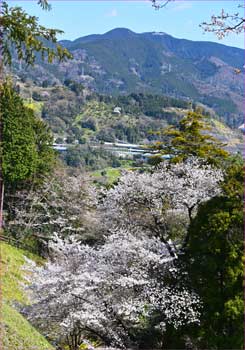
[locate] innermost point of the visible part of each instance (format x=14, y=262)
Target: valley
x=84, y=122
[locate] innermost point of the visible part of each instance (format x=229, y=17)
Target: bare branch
x=158, y=4
x=225, y=24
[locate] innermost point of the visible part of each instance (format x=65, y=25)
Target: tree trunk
x=1, y=176
x=1, y=122
x=1, y=191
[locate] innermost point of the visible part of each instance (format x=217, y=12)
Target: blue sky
x=180, y=18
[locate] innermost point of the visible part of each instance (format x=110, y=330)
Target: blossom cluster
x=147, y=200
x=64, y=204
x=106, y=291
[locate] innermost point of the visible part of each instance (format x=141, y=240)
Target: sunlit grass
x=18, y=332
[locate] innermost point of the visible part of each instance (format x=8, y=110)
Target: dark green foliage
x=74, y=86
x=129, y=133
x=27, y=142
x=59, y=140
x=148, y=104
x=89, y=123
x=19, y=150
x=70, y=139
x=224, y=107
x=190, y=138
x=45, y=84
x=107, y=135
x=214, y=259
x=44, y=149
x=89, y=158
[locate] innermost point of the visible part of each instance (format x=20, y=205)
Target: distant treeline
x=148, y=104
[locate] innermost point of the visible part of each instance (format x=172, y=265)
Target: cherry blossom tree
x=148, y=200
x=65, y=204
x=114, y=291
x=107, y=293
x=225, y=23
x=221, y=24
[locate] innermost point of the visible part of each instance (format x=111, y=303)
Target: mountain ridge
x=121, y=62
x=159, y=33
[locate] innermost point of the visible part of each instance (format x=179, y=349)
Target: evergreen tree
x=191, y=138
x=23, y=33
x=26, y=144
x=214, y=259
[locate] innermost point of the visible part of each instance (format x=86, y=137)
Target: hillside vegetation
x=80, y=115
x=19, y=334
x=124, y=62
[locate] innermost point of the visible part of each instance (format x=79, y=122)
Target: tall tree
x=214, y=258
x=21, y=33
x=191, y=138
x=27, y=141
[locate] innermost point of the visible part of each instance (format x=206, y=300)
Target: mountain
x=121, y=61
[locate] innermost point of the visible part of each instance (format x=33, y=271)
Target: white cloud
x=181, y=5
x=112, y=13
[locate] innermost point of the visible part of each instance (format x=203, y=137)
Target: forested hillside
x=122, y=62
x=75, y=113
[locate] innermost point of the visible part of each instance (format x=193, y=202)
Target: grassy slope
x=18, y=333
x=110, y=177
